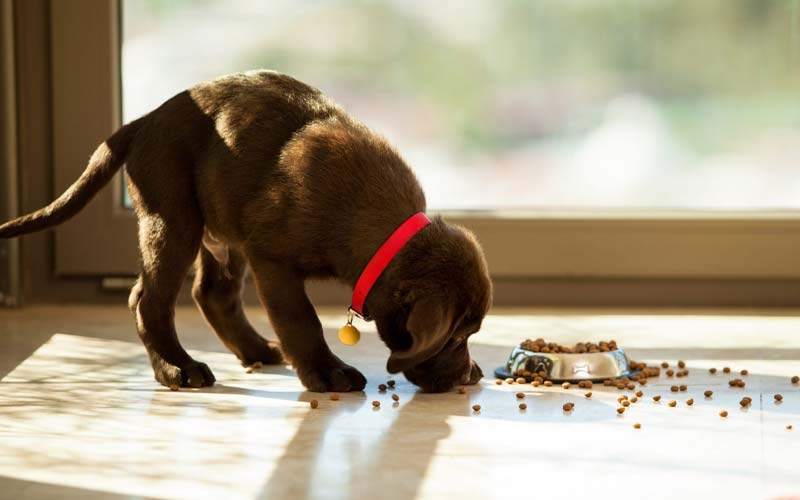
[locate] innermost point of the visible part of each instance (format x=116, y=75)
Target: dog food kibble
x=631, y=387
x=723, y=414
x=788, y=427
x=588, y=394
x=509, y=380
x=712, y=370
x=625, y=403
x=795, y=379
x=548, y=383
x=634, y=399
x=520, y=395
x=390, y=383
x=683, y=387
x=523, y=406
x=621, y=385
x=334, y=397
x=708, y=394
x=778, y=397
x=681, y=364
x=673, y=403
x=737, y=382
x=476, y=407
x=689, y=402
x=745, y=402
x=637, y=425
x=674, y=388
x=249, y=369
x=664, y=364
x=536, y=383
x=657, y=398
x=568, y=406
x=726, y=370
x=521, y=380
x=313, y=403
x=173, y=387
x=744, y=372
x=621, y=410
x=382, y=387
x=639, y=394
x=462, y=390
x=376, y=404
x=395, y=397
x=498, y=382
x=565, y=385
x=670, y=372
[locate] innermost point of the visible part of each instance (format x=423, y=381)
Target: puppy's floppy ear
x=430, y=324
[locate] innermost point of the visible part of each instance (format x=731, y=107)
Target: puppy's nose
x=474, y=375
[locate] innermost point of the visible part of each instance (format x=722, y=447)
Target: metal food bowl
x=567, y=367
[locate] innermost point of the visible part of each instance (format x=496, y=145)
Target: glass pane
x=503, y=104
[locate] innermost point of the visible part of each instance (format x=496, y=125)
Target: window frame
x=727, y=248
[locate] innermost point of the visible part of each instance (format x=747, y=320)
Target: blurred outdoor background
x=521, y=104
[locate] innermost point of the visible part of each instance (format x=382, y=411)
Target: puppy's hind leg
x=217, y=290
x=168, y=248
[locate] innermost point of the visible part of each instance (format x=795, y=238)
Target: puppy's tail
x=104, y=163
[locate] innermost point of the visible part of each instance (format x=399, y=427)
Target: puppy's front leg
x=283, y=294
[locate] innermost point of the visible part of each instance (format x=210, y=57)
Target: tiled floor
x=81, y=417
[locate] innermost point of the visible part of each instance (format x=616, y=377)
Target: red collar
x=383, y=257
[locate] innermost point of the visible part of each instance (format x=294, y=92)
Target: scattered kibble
x=778, y=397
x=621, y=410
x=664, y=364
x=462, y=390
x=509, y=380
x=737, y=382
x=395, y=397
x=673, y=403
x=173, y=387
x=712, y=370
x=657, y=398
x=745, y=402
x=536, y=383
x=674, y=388
x=670, y=372
x=249, y=369
x=523, y=406
x=568, y=406
x=631, y=387
x=476, y=407
x=376, y=404
x=788, y=427
x=498, y=382
x=726, y=369
x=520, y=395
x=390, y=383
x=565, y=385
x=521, y=380
x=585, y=384
x=708, y=394
x=723, y=414
x=621, y=385
x=334, y=397
x=683, y=388
x=639, y=394
x=548, y=383
x=689, y=402
x=588, y=394
x=744, y=372
x=313, y=403
x=795, y=379
x=637, y=425
x=382, y=387
x=681, y=364
x=634, y=399
x=625, y=403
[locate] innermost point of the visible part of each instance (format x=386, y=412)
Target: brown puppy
x=260, y=168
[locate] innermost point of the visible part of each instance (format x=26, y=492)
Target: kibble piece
x=634, y=399
x=683, y=387
x=548, y=383
x=334, y=397
x=631, y=387
x=621, y=385
x=390, y=383
x=521, y=380
x=462, y=390
x=657, y=398
x=745, y=402
x=476, y=407
x=726, y=369
x=568, y=406
x=673, y=403
x=313, y=403
x=712, y=370
x=625, y=403
x=376, y=404
x=588, y=394
x=670, y=372
x=637, y=425
x=382, y=387
x=723, y=413
x=744, y=372
x=788, y=427
x=509, y=380
x=395, y=397
x=520, y=395
x=689, y=402
x=674, y=388
x=639, y=394
x=498, y=382
x=249, y=369
x=664, y=364
x=681, y=364
x=523, y=406
x=621, y=410
x=536, y=383
x=778, y=397
x=795, y=379
x=565, y=385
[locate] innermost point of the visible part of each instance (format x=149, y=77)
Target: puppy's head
x=436, y=295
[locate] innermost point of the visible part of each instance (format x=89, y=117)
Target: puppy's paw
x=331, y=376
x=193, y=374
x=267, y=352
